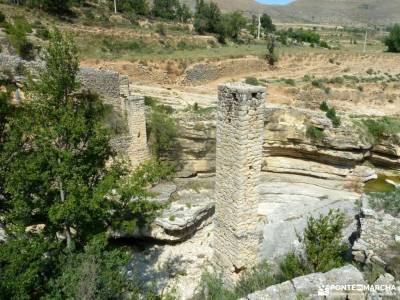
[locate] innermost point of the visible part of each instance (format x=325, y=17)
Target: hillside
x=343, y=12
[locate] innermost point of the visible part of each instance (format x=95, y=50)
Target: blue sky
x=275, y=1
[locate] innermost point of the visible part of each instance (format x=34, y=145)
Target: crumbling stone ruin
x=240, y=124
x=114, y=90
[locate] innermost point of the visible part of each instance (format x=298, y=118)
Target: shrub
x=290, y=82
x=212, y=287
x=389, y=201
x=318, y=83
x=324, y=106
x=252, y=81
x=271, y=56
x=324, y=44
x=161, y=130
x=161, y=30
x=393, y=40
x=331, y=114
x=292, y=266
x=2, y=17
x=314, y=133
x=255, y=279
x=382, y=128
x=322, y=241
x=17, y=34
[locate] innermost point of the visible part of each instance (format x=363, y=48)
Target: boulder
x=315, y=286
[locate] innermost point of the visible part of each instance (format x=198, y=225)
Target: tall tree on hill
x=165, y=9
x=393, y=40
x=59, y=149
x=266, y=23
x=207, y=17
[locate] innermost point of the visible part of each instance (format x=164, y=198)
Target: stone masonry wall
x=114, y=89
x=135, y=112
x=240, y=123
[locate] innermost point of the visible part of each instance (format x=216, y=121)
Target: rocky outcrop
x=196, y=144
x=378, y=232
x=315, y=286
x=188, y=210
x=288, y=147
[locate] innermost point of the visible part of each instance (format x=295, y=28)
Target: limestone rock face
x=378, y=232
x=288, y=149
x=309, y=286
x=196, y=144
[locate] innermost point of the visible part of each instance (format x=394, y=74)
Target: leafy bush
x=212, y=286
x=393, y=40
x=301, y=35
x=331, y=114
x=266, y=23
x=292, y=266
x=382, y=128
x=314, y=133
x=389, y=202
x=290, y=82
x=271, y=56
x=161, y=130
x=252, y=81
x=255, y=279
x=2, y=17
x=161, y=30
x=17, y=34
x=318, y=83
x=324, y=106
x=322, y=240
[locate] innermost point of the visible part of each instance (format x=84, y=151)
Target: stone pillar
x=240, y=123
x=138, y=151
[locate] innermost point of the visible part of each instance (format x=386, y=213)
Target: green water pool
x=380, y=184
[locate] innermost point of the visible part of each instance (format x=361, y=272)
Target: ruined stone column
x=138, y=151
x=240, y=123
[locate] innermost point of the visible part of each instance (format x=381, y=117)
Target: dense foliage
x=161, y=128
x=209, y=19
x=171, y=10
x=382, y=128
x=322, y=240
x=393, y=40
x=59, y=193
x=266, y=23
x=17, y=34
x=389, y=201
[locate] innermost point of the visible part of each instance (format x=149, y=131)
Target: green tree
x=24, y=266
x=232, y=24
x=322, y=240
x=393, y=40
x=139, y=7
x=165, y=9
x=161, y=130
x=183, y=13
x=94, y=273
x=266, y=23
x=271, y=56
x=207, y=17
x=57, y=7
x=59, y=148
